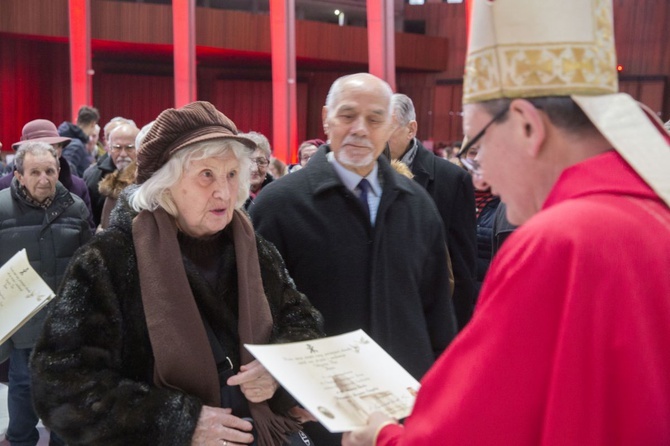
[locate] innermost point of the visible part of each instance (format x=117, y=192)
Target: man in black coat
x=370, y=256
x=453, y=193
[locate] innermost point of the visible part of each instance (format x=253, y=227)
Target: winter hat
x=175, y=129
x=41, y=130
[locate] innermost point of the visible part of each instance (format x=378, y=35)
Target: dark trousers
x=22, y=429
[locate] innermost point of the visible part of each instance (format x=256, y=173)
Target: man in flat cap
x=568, y=344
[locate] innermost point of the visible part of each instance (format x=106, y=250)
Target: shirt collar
x=351, y=179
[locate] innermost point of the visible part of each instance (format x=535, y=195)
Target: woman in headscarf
x=144, y=344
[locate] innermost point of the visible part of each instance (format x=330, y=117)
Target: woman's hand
x=219, y=427
x=255, y=382
x=366, y=436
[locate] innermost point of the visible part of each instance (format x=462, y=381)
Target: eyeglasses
x=260, y=161
x=128, y=148
x=471, y=163
x=305, y=157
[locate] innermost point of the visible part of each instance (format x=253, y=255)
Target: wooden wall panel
x=35, y=17
x=140, y=97
x=249, y=104
x=131, y=22
x=34, y=84
x=447, y=118
x=446, y=20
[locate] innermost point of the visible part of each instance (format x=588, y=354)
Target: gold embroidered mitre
x=521, y=48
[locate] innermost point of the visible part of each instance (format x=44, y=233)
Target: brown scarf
x=182, y=353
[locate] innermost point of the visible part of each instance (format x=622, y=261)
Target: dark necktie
x=364, y=187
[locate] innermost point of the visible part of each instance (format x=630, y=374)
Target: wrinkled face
x=206, y=194
x=359, y=124
x=399, y=140
x=122, y=146
x=40, y=175
x=306, y=153
x=259, y=169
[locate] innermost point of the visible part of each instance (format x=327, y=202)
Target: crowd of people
x=171, y=246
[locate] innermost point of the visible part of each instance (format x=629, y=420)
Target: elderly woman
x=144, y=344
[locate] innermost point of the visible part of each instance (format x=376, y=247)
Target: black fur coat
x=93, y=364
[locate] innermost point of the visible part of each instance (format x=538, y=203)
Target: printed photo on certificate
x=340, y=379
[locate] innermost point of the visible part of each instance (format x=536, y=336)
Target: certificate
x=23, y=294
x=340, y=379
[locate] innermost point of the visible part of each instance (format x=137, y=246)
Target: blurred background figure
x=75, y=152
x=260, y=162
x=306, y=150
x=38, y=214
x=45, y=131
x=277, y=168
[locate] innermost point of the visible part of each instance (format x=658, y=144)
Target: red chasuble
x=570, y=341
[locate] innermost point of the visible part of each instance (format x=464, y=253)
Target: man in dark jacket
x=37, y=214
x=76, y=152
x=370, y=256
x=45, y=131
x=122, y=151
x=452, y=191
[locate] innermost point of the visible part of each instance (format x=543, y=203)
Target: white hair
x=336, y=90
x=260, y=140
x=152, y=194
x=403, y=109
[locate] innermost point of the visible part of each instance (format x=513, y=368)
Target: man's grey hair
x=260, y=140
x=35, y=148
x=154, y=192
x=336, y=90
x=403, y=109
x=114, y=123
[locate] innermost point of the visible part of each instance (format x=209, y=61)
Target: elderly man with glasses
x=122, y=152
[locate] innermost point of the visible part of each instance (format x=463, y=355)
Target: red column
x=81, y=72
x=381, y=40
x=183, y=36
x=284, y=102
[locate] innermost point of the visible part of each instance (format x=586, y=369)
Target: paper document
x=340, y=379
x=23, y=294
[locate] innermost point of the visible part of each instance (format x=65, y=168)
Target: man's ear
x=324, y=116
x=412, y=126
x=17, y=175
x=530, y=125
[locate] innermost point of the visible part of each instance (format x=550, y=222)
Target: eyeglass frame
x=265, y=161
x=472, y=165
x=118, y=148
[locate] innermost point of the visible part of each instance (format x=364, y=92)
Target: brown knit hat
x=175, y=129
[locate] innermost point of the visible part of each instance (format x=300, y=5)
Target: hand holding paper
x=341, y=379
x=23, y=294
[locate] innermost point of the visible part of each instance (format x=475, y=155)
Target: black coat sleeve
x=92, y=366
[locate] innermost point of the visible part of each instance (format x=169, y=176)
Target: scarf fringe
x=272, y=429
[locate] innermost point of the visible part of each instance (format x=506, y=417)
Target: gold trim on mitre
x=520, y=48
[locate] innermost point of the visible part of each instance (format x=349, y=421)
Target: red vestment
x=570, y=340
